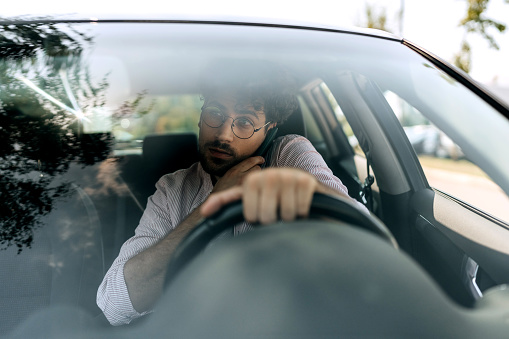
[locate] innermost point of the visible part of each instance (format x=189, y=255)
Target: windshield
x=80, y=105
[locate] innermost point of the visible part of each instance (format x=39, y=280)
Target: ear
x=272, y=125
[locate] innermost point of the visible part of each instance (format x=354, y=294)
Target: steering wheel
x=322, y=206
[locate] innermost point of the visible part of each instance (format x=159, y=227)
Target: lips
x=219, y=153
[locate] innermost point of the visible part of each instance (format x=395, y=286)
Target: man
x=241, y=104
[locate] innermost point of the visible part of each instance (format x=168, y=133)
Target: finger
x=287, y=199
x=250, y=197
x=269, y=198
x=305, y=187
x=248, y=172
x=254, y=169
x=218, y=200
x=247, y=164
x=252, y=162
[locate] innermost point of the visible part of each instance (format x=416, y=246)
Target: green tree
x=476, y=22
x=376, y=18
x=38, y=139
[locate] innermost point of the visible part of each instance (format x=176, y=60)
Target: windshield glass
x=81, y=104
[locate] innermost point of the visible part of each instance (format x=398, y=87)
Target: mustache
x=221, y=146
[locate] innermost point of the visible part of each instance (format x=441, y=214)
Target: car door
x=462, y=246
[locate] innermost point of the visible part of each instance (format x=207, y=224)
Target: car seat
x=293, y=125
x=161, y=154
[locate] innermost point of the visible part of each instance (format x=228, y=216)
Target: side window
x=145, y=114
x=445, y=166
x=342, y=119
x=312, y=130
x=359, y=164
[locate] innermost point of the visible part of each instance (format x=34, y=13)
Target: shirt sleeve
x=297, y=152
x=112, y=295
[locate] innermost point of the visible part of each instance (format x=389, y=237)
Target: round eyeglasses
x=242, y=127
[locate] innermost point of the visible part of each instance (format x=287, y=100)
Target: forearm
x=321, y=188
x=145, y=273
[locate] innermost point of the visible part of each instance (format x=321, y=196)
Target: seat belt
x=366, y=192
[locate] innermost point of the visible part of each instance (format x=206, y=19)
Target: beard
x=215, y=166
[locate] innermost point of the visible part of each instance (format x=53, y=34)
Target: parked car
x=428, y=140
x=93, y=112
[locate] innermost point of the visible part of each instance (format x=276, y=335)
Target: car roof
x=200, y=19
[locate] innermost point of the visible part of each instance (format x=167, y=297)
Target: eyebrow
x=238, y=111
x=247, y=112
x=215, y=103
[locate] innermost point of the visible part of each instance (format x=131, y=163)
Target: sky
x=431, y=24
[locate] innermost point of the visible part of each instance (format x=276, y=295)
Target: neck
x=214, y=178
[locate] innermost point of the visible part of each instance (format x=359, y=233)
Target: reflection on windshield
x=44, y=89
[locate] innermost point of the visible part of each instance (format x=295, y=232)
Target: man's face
x=219, y=148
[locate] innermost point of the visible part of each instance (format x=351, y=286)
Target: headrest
x=167, y=153
x=294, y=125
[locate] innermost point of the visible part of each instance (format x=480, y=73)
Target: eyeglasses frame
x=233, y=122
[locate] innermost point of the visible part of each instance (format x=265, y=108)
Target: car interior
x=82, y=236
x=347, y=118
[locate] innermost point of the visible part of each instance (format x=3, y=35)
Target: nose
x=225, y=132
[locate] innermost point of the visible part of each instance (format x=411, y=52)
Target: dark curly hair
x=263, y=84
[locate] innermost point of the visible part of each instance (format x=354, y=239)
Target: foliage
x=376, y=18
x=463, y=59
x=20, y=42
x=38, y=139
x=475, y=22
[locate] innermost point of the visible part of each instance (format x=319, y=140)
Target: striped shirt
x=177, y=195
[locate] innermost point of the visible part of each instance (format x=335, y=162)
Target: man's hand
x=236, y=174
x=266, y=192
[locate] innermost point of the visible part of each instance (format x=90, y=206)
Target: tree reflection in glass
x=44, y=89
